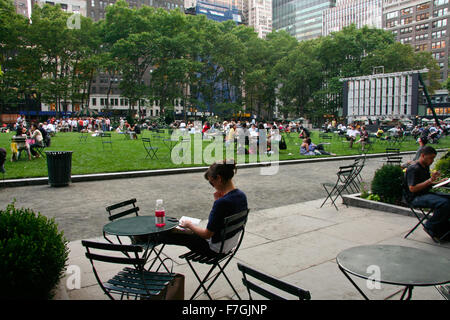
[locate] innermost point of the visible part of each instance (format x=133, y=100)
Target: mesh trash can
x=59, y=165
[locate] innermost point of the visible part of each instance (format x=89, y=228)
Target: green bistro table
x=142, y=226
x=138, y=226
x=397, y=265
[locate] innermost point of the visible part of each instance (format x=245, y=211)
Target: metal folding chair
x=269, y=280
x=422, y=214
x=106, y=139
x=151, y=151
x=393, y=156
x=126, y=208
x=233, y=225
x=345, y=177
x=131, y=281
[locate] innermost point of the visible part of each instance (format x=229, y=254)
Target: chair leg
x=421, y=220
x=201, y=281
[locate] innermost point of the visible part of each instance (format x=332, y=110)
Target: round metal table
x=397, y=265
x=138, y=226
x=141, y=226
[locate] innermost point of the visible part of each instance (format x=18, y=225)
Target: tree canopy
x=166, y=55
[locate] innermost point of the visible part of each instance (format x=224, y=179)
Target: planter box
x=355, y=200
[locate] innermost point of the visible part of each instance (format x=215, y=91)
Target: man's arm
x=426, y=184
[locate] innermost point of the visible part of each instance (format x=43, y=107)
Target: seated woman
x=38, y=140
x=310, y=149
x=21, y=145
x=228, y=200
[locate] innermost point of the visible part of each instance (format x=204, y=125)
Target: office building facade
x=347, y=12
x=259, y=16
x=300, y=18
x=421, y=24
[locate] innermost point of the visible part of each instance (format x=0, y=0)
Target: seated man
x=420, y=184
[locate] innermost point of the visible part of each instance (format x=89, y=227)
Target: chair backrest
x=269, y=280
x=130, y=253
x=392, y=150
x=132, y=208
x=233, y=225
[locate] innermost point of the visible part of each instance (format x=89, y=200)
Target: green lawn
x=129, y=155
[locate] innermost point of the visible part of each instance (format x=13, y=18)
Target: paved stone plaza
x=287, y=235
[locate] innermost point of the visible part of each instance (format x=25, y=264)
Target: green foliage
x=373, y=197
x=387, y=183
x=443, y=166
x=33, y=254
x=165, y=55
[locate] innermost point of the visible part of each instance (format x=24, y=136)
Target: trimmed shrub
x=33, y=254
x=443, y=165
x=387, y=183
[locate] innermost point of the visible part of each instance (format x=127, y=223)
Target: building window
x=406, y=40
x=422, y=6
x=422, y=37
x=439, y=23
x=94, y=101
x=76, y=9
x=439, y=34
x=422, y=47
x=423, y=26
x=102, y=101
x=92, y=3
x=406, y=11
x=440, y=2
x=438, y=44
x=439, y=55
x=406, y=20
x=423, y=16
x=406, y=30
x=440, y=12
x=391, y=15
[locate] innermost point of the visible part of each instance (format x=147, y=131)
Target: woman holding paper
x=228, y=200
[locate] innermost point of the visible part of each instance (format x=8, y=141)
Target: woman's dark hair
x=308, y=140
x=260, y=126
x=225, y=169
x=19, y=131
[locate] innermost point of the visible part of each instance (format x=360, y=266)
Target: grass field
x=92, y=156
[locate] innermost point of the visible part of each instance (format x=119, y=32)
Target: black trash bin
x=59, y=165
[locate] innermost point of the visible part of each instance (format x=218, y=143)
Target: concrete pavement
x=297, y=243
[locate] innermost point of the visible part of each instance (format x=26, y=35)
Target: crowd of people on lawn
x=355, y=133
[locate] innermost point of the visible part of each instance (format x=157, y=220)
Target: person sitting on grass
x=310, y=149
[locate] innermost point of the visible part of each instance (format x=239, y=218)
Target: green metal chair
x=233, y=225
x=128, y=207
x=132, y=281
x=273, y=282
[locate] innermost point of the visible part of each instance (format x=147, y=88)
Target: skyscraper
x=259, y=16
x=300, y=18
x=421, y=24
x=346, y=12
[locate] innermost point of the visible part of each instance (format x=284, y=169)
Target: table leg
x=408, y=289
x=352, y=282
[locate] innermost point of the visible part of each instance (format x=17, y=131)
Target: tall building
x=421, y=24
x=300, y=18
x=24, y=7
x=358, y=12
x=74, y=6
x=259, y=15
x=96, y=9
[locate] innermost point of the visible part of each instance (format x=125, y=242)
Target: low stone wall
x=355, y=200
